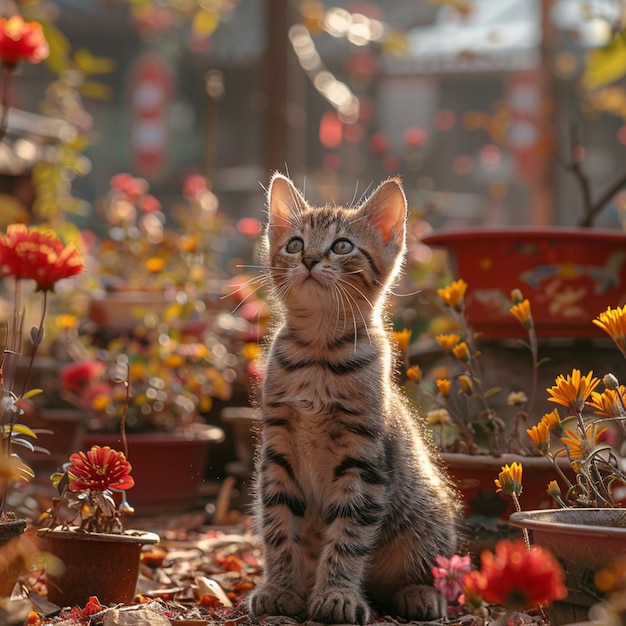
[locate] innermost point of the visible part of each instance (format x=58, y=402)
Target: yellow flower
x=438, y=417
x=509, y=481
x=461, y=352
x=453, y=294
x=100, y=402
x=573, y=390
x=553, y=489
x=613, y=322
x=521, y=312
x=466, y=384
x=66, y=321
x=443, y=386
x=516, y=398
x=579, y=447
x=251, y=351
x=448, y=340
x=414, y=373
x=608, y=403
x=155, y=264
x=539, y=434
x=403, y=338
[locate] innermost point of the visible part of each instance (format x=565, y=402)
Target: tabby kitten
x=351, y=504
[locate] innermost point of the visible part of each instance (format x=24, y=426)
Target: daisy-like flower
x=580, y=446
x=613, y=322
x=509, y=481
x=521, y=312
x=539, y=434
x=453, y=294
x=402, y=338
x=99, y=469
x=466, y=384
x=516, y=577
x=609, y=403
x=38, y=254
x=573, y=390
x=516, y=398
x=448, y=340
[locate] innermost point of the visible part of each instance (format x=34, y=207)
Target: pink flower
x=449, y=575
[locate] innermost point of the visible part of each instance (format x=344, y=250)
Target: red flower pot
x=569, y=276
x=93, y=564
x=168, y=468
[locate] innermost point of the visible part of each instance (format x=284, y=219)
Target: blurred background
x=480, y=106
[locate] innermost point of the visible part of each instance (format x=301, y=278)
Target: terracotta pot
x=123, y=310
x=569, y=276
x=10, y=568
x=168, y=468
x=584, y=541
x=93, y=564
x=474, y=475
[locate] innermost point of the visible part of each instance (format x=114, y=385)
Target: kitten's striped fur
x=352, y=507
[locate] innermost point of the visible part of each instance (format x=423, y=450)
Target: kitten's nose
x=310, y=260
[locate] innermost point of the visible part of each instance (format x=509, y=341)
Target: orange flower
x=539, y=434
x=99, y=469
x=509, y=480
x=21, y=41
x=403, y=338
x=579, y=447
x=516, y=577
x=613, y=322
x=448, y=340
x=414, y=373
x=521, y=312
x=443, y=386
x=609, y=403
x=453, y=294
x=38, y=254
x=462, y=352
x=573, y=390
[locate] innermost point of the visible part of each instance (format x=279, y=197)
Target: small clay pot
x=93, y=564
x=10, y=568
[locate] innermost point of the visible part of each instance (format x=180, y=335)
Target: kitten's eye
x=295, y=245
x=342, y=246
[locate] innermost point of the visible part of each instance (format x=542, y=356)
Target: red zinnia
x=100, y=469
x=37, y=254
x=516, y=577
x=76, y=376
x=21, y=41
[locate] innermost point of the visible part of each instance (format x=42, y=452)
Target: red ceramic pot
x=569, y=276
x=168, y=468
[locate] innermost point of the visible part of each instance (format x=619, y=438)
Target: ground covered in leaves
x=196, y=576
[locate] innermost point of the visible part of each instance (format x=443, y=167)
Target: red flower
x=31, y=253
x=100, y=469
x=76, y=376
x=21, y=41
x=516, y=577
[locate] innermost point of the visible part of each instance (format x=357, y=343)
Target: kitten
x=351, y=503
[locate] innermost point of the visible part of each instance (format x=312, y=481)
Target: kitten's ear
x=386, y=209
x=285, y=203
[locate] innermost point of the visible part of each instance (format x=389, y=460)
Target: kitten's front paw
x=274, y=600
x=339, y=606
x=419, y=602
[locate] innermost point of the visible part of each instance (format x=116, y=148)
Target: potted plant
x=161, y=381
x=27, y=255
x=84, y=531
x=569, y=273
x=476, y=429
x=589, y=531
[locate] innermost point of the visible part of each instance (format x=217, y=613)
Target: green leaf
x=32, y=392
x=492, y=392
